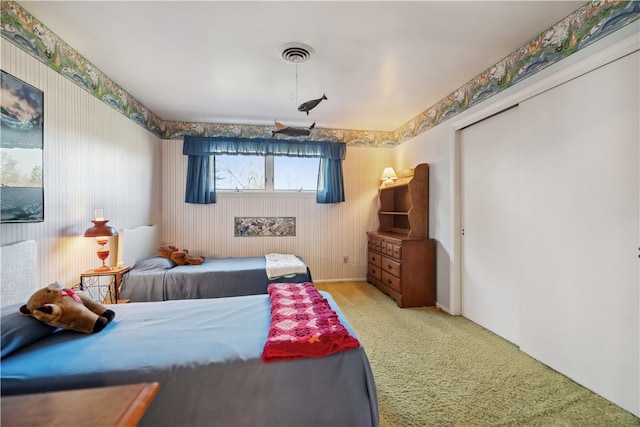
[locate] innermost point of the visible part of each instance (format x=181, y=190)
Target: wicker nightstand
x=104, y=286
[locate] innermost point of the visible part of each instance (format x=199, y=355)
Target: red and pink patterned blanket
x=303, y=325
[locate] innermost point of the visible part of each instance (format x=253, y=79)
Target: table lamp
x=388, y=175
x=101, y=231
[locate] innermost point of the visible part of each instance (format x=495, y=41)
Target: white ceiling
x=379, y=63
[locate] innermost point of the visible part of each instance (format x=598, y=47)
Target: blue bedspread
x=151, y=280
x=206, y=356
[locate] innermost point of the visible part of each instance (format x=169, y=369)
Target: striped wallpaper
x=94, y=158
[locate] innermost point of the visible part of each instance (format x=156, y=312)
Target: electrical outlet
x=345, y=259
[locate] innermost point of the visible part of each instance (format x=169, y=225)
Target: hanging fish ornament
x=285, y=130
x=310, y=105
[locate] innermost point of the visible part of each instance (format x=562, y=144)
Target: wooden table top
x=104, y=406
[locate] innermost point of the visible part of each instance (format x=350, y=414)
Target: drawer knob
x=389, y=281
x=373, y=258
x=389, y=266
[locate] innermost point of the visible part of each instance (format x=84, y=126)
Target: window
x=271, y=173
x=295, y=173
x=202, y=175
x=239, y=172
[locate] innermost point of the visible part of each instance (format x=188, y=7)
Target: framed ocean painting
x=21, y=151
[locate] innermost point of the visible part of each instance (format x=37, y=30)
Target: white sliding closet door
x=489, y=201
x=579, y=228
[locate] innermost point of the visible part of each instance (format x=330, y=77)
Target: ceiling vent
x=296, y=53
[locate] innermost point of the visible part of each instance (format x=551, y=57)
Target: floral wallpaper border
x=264, y=226
x=591, y=22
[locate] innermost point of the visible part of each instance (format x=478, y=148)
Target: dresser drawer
x=391, y=266
x=391, y=281
x=374, y=271
x=374, y=258
x=388, y=248
x=396, y=251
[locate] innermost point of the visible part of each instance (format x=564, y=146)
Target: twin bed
x=207, y=355
x=154, y=278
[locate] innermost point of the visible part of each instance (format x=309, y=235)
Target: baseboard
x=356, y=279
x=443, y=308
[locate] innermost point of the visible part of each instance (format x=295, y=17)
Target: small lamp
x=101, y=231
x=388, y=175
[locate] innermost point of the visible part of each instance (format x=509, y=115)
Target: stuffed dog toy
x=180, y=257
x=67, y=309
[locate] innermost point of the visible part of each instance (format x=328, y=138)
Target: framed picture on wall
x=21, y=145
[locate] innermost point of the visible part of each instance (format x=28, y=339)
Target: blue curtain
x=330, y=181
x=199, y=149
x=199, y=186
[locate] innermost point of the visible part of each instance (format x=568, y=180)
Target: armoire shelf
x=404, y=205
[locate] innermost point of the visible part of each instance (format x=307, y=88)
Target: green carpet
x=433, y=369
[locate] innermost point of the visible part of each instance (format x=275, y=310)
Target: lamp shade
x=100, y=229
x=388, y=175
